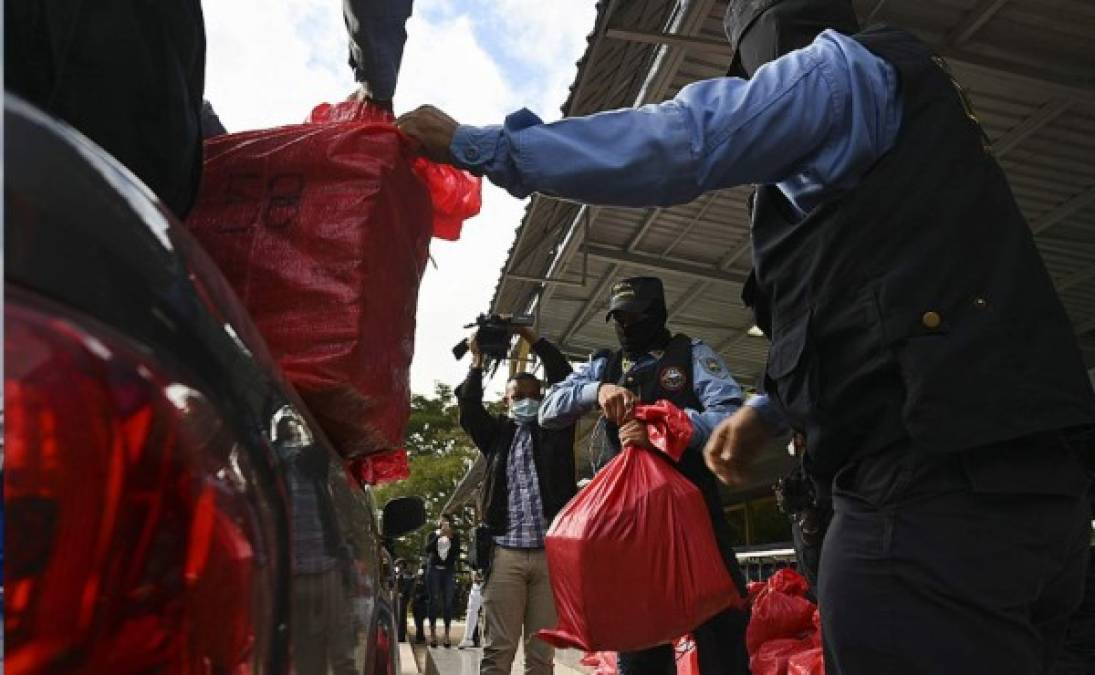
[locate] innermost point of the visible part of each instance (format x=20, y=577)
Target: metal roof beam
x=1085, y=327
x=1076, y=278
x=687, y=299
x=658, y=264
x=657, y=83
x=1063, y=210
x=734, y=339
x=671, y=39
x=1020, y=132
x=974, y=20
x=1024, y=77
x=695, y=220
x=988, y=67
x=648, y=222
x=732, y=257
x=590, y=304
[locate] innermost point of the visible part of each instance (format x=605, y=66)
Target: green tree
x=440, y=454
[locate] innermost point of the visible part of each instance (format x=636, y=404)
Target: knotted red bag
x=632, y=558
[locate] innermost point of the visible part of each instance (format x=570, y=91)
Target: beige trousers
x=517, y=596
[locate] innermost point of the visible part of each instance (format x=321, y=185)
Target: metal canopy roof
x=1028, y=65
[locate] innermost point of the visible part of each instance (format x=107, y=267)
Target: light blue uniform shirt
x=811, y=122
x=712, y=382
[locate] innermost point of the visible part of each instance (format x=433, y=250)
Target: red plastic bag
x=456, y=195
x=810, y=662
x=753, y=589
x=773, y=656
x=380, y=468
x=688, y=659
x=603, y=663
x=788, y=581
x=779, y=614
x=633, y=558
x=323, y=231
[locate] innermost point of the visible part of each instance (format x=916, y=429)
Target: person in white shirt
x=471, y=620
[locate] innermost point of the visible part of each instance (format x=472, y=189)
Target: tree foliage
x=440, y=454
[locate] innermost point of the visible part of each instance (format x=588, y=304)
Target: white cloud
x=270, y=61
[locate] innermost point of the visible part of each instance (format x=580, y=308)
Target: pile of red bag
x=323, y=231
x=784, y=633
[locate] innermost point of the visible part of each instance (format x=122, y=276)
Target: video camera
x=493, y=335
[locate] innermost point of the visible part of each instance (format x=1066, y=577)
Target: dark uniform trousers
x=997, y=600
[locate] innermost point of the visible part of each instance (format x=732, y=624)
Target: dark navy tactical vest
x=669, y=378
x=915, y=307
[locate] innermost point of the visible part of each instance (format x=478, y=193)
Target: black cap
x=637, y=294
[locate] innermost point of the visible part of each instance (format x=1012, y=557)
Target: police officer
x=917, y=340
x=653, y=364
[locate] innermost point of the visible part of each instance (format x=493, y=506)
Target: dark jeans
x=442, y=590
x=720, y=641
x=418, y=608
x=1078, y=655
x=401, y=602
x=943, y=564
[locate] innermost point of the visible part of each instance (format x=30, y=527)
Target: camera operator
x=530, y=476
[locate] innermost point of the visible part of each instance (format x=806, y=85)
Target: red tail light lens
x=383, y=663
x=128, y=542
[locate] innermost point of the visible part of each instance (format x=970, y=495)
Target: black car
x=170, y=504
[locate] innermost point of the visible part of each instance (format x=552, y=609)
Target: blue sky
x=270, y=61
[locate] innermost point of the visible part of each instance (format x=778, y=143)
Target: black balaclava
x=645, y=297
x=648, y=333
x=760, y=31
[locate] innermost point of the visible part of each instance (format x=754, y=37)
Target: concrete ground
x=440, y=661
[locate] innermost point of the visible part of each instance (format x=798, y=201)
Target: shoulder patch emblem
x=671, y=378
x=713, y=366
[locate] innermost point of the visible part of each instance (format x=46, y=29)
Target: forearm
x=474, y=417
x=377, y=31
x=567, y=402
x=769, y=416
x=556, y=366
x=594, y=159
x=703, y=423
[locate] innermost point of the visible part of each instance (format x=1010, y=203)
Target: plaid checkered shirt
x=526, y=526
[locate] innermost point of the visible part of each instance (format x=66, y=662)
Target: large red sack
x=810, y=662
x=780, y=614
x=633, y=559
x=774, y=656
x=323, y=231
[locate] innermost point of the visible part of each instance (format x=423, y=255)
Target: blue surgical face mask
x=525, y=410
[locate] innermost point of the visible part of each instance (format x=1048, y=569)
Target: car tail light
x=129, y=547
x=383, y=661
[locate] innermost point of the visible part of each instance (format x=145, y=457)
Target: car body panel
x=84, y=235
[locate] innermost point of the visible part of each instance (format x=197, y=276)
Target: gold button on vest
x=931, y=320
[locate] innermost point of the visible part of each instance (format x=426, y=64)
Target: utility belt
x=797, y=497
